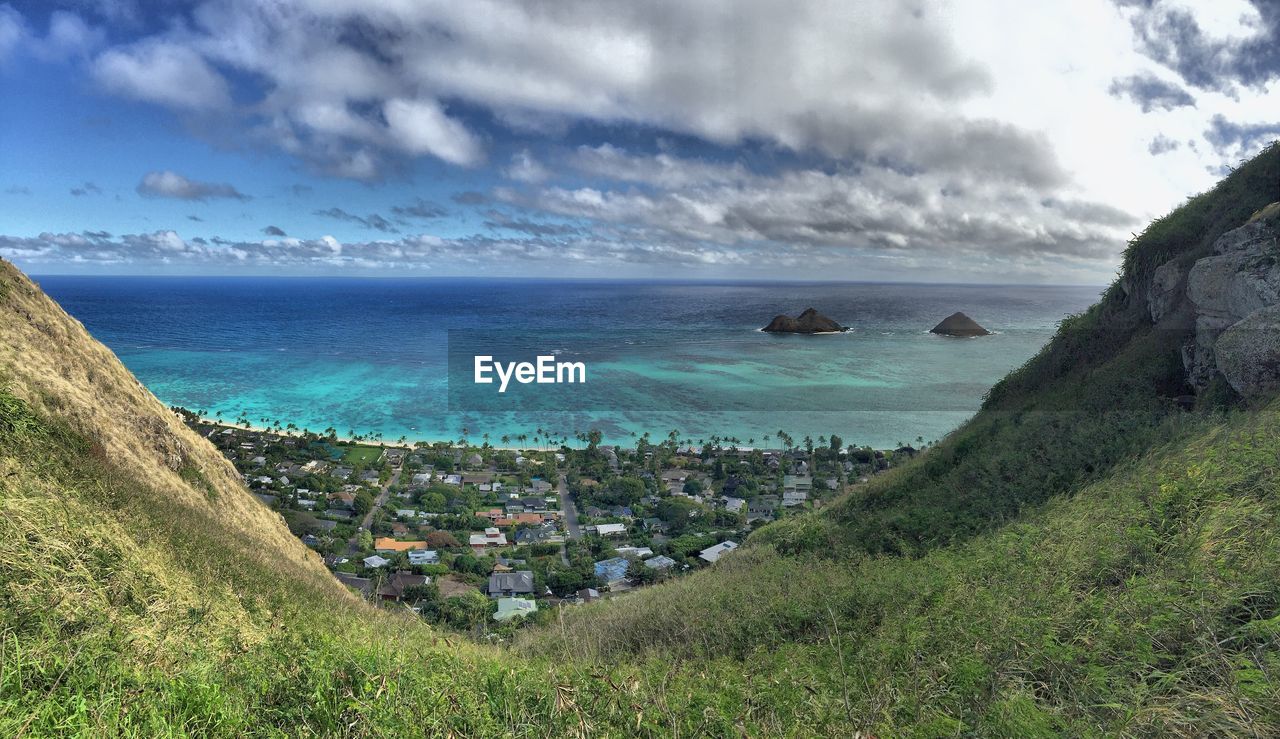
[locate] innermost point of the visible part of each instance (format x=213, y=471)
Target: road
x=570, y=512
x=353, y=546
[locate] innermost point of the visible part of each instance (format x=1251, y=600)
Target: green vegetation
x=1084, y=558
x=361, y=454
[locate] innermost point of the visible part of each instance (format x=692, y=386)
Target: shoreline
x=410, y=444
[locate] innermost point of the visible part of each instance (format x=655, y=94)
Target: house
x=797, y=484
x=398, y=582
x=713, y=554
x=266, y=499
x=595, y=512
x=475, y=460
x=386, y=544
x=399, y=529
x=509, y=608
x=509, y=584
x=660, y=562
x=376, y=561
x=791, y=498
x=422, y=478
x=424, y=557
x=491, y=537
x=734, y=505
x=345, y=501
x=586, y=595
x=634, y=552
x=609, y=529
x=612, y=571
x=362, y=584
x=492, y=514
x=656, y=525
x=538, y=536
x=453, y=479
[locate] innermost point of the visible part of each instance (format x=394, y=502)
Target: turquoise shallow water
x=394, y=356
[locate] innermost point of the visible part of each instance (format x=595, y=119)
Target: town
x=482, y=539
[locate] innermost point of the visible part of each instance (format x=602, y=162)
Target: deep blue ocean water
x=393, y=356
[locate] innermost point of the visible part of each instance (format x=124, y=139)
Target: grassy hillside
x=1083, y=558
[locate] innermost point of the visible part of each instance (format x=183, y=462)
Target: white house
x=713, y=554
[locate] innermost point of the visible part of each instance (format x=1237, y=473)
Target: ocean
x=394, y=357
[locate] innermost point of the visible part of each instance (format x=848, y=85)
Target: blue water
x=393, y=356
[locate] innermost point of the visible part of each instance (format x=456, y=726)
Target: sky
x=979, y=141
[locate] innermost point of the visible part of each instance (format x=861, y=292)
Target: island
x=958, y=324
x=808, y=322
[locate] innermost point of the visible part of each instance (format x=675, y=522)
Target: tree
x=365, y=541
x=441, y=540
x=363, y=502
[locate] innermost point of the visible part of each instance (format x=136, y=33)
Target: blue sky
x=882, y=140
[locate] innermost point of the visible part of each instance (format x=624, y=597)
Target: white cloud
x=168, y=184
x=162, y=72
x=421, y=127
x=524, y=167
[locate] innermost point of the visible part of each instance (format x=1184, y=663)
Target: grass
x=362, y=455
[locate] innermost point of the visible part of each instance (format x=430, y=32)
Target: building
x=424, y=557
x=491, y=537
x=386, y=544
x=612, y=571
x=660, y=562
x=609, y=529
x=393, y=589
x=509, y=608
x=376, y=561
x=510, y=584
x=713, y=554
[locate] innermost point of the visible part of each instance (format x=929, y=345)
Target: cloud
x=870, y=209
x=17, y=190
x=1175, y=36
x=87, y=188
x=1152, y=93
x=195, y=218
x=420, y=209
x=525, y=168
x=274, y=231
x=1240, y=139
x=168, y=184
x=164, y=72
x=497, y=220
x=470, y=197
x=371, y=221
x=1162, y=144
x=421, y=127
x=350, y=88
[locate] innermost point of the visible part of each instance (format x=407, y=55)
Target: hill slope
x=1085, y=557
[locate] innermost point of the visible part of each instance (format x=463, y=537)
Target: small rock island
x=958, y=324
x=809, y=322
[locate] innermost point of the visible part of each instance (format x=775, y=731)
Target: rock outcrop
x=1234, y=297
x=958, y=324
x=809, y=322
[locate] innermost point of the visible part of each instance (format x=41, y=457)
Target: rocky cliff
x=1229, y=303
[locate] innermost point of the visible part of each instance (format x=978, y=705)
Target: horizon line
x=518, y=278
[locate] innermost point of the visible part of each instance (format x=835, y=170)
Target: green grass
x=362, y=454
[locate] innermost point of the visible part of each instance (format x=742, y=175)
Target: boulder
x=1238, y=281
x=958, y=324
x=1248, y=353
x=1166, y=291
